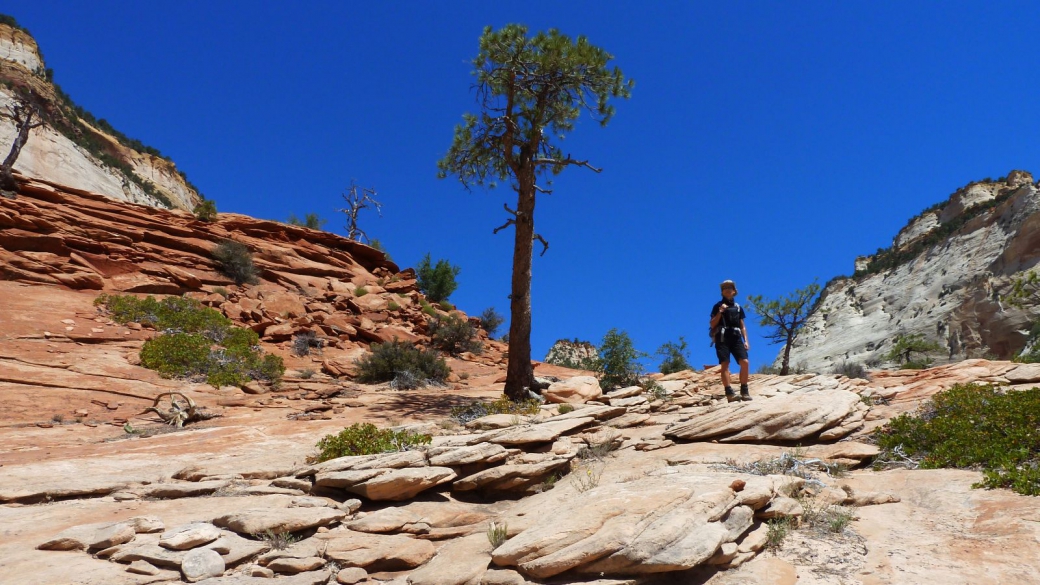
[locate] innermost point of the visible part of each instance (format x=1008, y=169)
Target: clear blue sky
x=766, y=142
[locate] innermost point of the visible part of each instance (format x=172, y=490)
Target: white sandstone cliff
x=950, y=291
x=53, y=156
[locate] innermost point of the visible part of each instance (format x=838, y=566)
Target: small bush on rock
x=454, y=335
x=475, y=410
x=367, y=439
x=236, y=262
x=675, y=356
x=206, y=210
x=851, y=370
x=618, y=361
x=195, y=341
x=436, y=281
x=402, y=361
x=973, y=427
x=491, y=320
x=303, y=342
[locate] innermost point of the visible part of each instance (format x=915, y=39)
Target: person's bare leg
x=744, y=393
x=725, y=374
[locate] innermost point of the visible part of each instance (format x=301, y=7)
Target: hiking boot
x=745, y=395
x=731, y=396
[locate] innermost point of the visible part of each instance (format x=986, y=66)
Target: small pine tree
x=491, y=320
x=206, y=210
x=674, y=355
x=436, y=281
x=619, y=361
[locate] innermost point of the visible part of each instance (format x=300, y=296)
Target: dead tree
x=359, y=198
x=22, y=112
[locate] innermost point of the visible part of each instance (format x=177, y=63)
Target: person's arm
x=716, y=316
x=743, y=330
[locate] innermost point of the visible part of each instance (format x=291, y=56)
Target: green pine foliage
x=491, y=320
x=454, y=335
x=619, y=365
x=310, y=220
x=236, y=262
x=367, y=439
x=675, y=356
x=971, y=426
x=206, y=210
x=403, y=363
x=195, y=342
x=912, y=351
x=436, y=281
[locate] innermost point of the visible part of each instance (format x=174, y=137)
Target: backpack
x=713, y=332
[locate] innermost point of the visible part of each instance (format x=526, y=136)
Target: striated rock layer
x=55, y=151
x=950, y=291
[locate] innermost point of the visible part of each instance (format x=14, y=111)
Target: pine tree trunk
x=7, y=182
x=519, y=372
x=785, y=366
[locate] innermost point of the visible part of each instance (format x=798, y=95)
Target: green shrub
x=565, y=408
x=851, y=370
x=196, y=341
x=912, y=351
x=491, y=320
x=360, y=291
x=436, y=281
x=206, y=210
x=392, y=306
x=446, y=306
x=475, y=410
x=778, y=530
x=454, y=335
x=973, y=427
x=367, y=439
x=675, y=356
x=618, y=365
x=403, y=364
x=236, y=262
x=311, y=220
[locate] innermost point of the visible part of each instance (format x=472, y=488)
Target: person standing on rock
x=730, y=338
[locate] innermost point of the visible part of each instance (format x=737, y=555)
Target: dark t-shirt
x=734, y=317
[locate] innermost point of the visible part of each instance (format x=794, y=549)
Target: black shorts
x=731, y=344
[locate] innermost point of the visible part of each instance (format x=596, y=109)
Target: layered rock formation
x=67, y=149
x=944, y=278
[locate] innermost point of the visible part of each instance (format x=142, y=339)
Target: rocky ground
x=669, y=486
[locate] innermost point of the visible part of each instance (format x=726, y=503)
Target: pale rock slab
x=291, y=566
x=510, y=477
x=375, y=552
x=201, y=563
x=351, y=575
x=460, y=562
x=389, y=484
x=466, y=455
x=576, y=390
x=539, y=433
x=667, y=522
x=1024, y=374
x=189, y=536
x=311, y=578
x=278, y=520
x=785, y=417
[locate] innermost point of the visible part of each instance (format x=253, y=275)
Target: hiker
x=730, y=338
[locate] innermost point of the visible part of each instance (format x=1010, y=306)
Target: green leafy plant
x=402, y=363
x=777, y=532
x=311, y=220
x=675, y=356
x=236, y=262
x=618, y=361
x=367, y=439
x=912, y=351
x=465, y=413
x=436, y=281
x=196, y=341
x=360, y=291
x=565, y=408
x=973, y=427
x=785, y=316
x=453, y=335
x=277, y=540
x=392, y=306
x=491, y=320
x=206, y=210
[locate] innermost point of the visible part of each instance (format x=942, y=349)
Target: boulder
x=799, y=416
x=576, y=390
x=201, y=563
x=189, y=536
x=278, y=520
x=375, y=552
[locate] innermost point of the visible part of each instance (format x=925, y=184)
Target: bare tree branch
x=508, y=223
x=564, y=162
x=545, y=244
x=359, y=198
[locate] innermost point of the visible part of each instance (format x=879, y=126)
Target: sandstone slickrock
x=375, y=552
x=278, y=520
x=785, y=417
x=460, y=562
x=576, y=390
x=309, y=578
x=666, y=522
x=201, y=563
x=189, y=536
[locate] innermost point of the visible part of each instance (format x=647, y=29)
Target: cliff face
x=944, y=277
x=72, y=151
